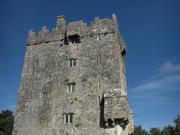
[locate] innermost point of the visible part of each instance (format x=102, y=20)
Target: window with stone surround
x=70, y=87
x=68, y=118
x=72, y=62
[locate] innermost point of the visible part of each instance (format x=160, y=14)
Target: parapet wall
x=62, y=31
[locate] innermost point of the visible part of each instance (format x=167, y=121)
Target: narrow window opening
x=73, y=87
x=70, y=87
x=44, y=95
x=72, y=62
x=71, y=118
x=99, y=58
x=68, y=118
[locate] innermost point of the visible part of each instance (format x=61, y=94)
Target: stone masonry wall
x=45, y=95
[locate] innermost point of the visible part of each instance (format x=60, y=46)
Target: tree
x=177, y=125
x=139, y=131
x=169, y=130
x=155, y=131
x=6, y=122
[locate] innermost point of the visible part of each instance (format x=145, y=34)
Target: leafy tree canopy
x=167, y=130
x=138, y=130
x=155, y=131
x=6, y=122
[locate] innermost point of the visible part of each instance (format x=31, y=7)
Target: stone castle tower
x=74, y=82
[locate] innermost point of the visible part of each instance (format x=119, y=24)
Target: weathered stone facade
x=74, y=82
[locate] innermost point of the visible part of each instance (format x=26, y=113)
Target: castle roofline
x=98, y=26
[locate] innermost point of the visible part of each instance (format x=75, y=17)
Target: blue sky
x=151, y=30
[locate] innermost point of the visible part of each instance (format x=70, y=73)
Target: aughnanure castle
x=73, y=81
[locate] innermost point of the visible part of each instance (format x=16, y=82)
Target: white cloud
x=170, y=66
x=155, y=102
x=168, y=82
x=170, y=79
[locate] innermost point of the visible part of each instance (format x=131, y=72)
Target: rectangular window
x=73, y=85
x=71, y=118
x=72, y=62
x=68, y=118
x=44, y=95
x=70, y=87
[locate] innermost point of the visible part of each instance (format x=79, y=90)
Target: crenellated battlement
x=79, y=28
